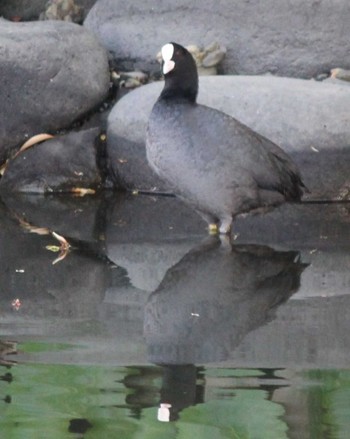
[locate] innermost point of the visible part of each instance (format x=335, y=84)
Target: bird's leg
x=211, y=220
x=213, y=228
x=225, y=225
x=225, y=242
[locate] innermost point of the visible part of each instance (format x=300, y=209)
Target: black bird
x=212, y=161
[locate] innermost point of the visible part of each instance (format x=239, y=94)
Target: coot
x=212, y=161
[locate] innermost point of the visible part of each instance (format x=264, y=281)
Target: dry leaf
x=33, y=229
x=64, y=248
x=30, y=142
x=3, y=167
x=64, y=243
x=53, y=248
x=81, y=192
x=61, y=256
x=33, y=141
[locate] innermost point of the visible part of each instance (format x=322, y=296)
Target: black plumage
x=215, y=163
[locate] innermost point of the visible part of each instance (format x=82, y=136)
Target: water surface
x=149, y=328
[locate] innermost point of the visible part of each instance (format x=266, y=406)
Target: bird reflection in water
x=206, y=304
x=210, y=300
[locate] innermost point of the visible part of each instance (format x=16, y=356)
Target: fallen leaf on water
x=53, y=248
x=64, y=248
x=60, y=257
x=64, y=243
x=33, y=229
x=81, y=192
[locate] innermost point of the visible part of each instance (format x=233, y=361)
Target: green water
x=52, y=401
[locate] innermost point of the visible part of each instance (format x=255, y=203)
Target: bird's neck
x=174, y=90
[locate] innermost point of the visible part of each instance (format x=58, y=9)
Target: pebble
x=129, y=80
x=339, y=73
x=65, y=10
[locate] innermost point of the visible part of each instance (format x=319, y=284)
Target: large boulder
x=299, y=38
x=52, y=73
x=308, y=119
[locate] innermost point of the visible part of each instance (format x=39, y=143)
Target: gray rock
x=308, y=119
x=299, y=38
x=28, y=10
x=24, y=10
x=52, y=73
x=60, y=164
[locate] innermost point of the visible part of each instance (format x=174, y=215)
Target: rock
x=63, y=164
x=309, y=119
x=29, y=10
x=53, y=73
x=22, y=10
x=299, y=39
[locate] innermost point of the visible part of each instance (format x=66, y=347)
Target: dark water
x=146, y=327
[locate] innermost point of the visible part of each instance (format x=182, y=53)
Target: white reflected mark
x=164, y=412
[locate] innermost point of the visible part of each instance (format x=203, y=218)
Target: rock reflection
x=7, y=348
x=212, y=298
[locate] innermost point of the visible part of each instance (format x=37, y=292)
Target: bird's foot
x=213, y=229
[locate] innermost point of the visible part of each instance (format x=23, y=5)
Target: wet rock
x=66, y=163
x=300, y=39
x=309, y=119
x=52, y=74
